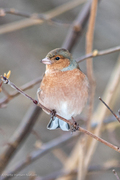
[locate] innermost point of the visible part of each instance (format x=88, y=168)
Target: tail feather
x=53, y=124
x=58, y=123
x=63, y=125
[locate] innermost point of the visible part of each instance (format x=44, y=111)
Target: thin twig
x=29, y=85
x=110, y=109
x=7, y=81
x=96, y=53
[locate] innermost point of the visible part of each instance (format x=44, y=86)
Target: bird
x=64, y=87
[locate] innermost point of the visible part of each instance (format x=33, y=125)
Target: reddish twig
x=5, y=100
x=71, y=123
x=7, y=81
x=110, y=109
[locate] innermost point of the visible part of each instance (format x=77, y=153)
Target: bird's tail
x=58, y=123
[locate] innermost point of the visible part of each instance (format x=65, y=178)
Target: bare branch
x=96, y=53
x=29, y=85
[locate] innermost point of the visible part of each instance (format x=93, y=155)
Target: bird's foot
x=53, y=114
x=75, y=125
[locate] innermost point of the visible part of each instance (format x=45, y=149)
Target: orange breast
x=66, y=92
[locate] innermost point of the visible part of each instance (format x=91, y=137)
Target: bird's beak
x=46, y=61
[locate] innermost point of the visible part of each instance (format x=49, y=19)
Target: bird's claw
x=53, y=114
x=75, y=126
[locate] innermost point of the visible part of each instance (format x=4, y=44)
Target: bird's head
x=59, y=59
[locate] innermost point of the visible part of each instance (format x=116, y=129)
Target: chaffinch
x=64, y=87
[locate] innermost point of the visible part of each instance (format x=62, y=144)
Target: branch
x=96, y=53
x=48, y=15
x=74, y=125
x=89, y=46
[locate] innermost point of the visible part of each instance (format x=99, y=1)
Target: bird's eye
x=57, y=58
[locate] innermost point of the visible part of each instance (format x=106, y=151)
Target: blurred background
x=21, y=51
